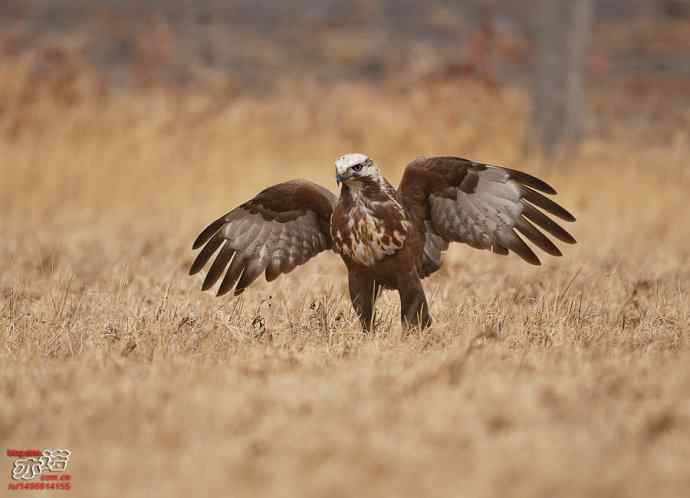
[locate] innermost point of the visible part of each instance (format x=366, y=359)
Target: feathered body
x=388, y=238
x=369, y=225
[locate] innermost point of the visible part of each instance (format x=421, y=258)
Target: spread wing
x=484, y=206
x=282, y=227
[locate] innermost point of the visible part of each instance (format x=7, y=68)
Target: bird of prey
x=388, y=238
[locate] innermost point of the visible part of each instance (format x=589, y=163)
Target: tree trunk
x=562, y=31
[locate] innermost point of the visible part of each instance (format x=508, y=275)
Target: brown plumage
x=388, y=238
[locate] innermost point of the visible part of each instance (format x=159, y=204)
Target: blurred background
x=582, y=62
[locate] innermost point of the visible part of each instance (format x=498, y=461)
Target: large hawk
x=388, y=238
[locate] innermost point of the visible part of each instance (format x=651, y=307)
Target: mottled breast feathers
x=369, y=223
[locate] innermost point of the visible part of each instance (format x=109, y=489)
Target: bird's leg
x=414, y=309
x=363, y=293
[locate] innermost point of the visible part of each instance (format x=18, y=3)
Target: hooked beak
x=340, y=179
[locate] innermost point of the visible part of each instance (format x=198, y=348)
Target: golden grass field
x=572, y=379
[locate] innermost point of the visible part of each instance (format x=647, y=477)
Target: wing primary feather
x=205, y=254
x=233, y=273
x=518, y=246
x=546, y=204
x=208, y=232
x=273, y=270
x=531, y=181
x=500, y=250
x=543, y=221
x=253, y=270
x=218, y=266
x=228, y=282
x=536, y=237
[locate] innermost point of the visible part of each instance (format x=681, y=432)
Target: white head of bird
x=352, y=167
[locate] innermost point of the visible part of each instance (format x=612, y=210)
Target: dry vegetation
x=572, y=379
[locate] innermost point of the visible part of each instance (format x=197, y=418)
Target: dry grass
x=572, y=379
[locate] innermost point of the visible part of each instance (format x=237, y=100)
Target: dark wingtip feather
x=218, y=267
x=518, y=246
x=254, y=270
x=545, y=203
x=205, y=254
x=229, y=281
x=272, y=272
x=536, y=237
x=546, y=223
x=531, y=181
x=500, y=250
x=208, y=232
x=532, y=261
x=567, y=216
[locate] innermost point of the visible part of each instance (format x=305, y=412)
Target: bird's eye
x=357, y=167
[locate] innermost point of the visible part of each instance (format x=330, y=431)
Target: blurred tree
x=561, y=33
